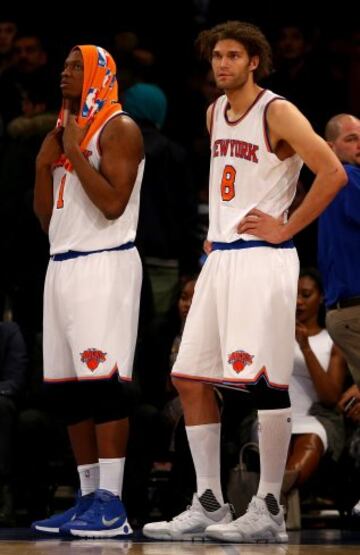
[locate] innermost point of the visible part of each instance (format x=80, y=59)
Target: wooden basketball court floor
x=20, y=541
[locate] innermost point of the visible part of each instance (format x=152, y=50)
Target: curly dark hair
x=250, y=36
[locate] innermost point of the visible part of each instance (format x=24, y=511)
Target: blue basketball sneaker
x=105, y=518
x=52, y=524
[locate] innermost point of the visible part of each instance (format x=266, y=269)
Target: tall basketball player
x=240, y=331
x=88, y=176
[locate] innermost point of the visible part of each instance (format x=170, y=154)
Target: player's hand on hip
x=263, y=226
x=51, y=148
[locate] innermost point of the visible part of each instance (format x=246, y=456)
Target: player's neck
x=241, y=99
x=73, y=105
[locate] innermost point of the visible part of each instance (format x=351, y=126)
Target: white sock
x=112, y=475
x=274, y=438
x=89, y=477
x=204, y=441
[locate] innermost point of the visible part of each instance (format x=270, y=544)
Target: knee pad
x=112, y=400
x=268, y=397
x=101, y=400
x=69, y=402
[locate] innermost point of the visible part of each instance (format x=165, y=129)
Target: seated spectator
x=19, y=228
x=339, y=245
x=166, y=235
x=13, y=362
x=8, y=29
x=50, y=468
x=315, y=388
x=297, y=65
x=30, y=65
x=157, y=424
x=349, y=404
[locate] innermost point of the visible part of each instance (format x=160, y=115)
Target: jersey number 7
x=60, y=200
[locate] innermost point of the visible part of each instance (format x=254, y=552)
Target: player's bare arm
x=121, y=151
x=209, y=113
x=289, y=126
x=50, y=151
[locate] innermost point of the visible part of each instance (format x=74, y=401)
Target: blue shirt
x=339, y=241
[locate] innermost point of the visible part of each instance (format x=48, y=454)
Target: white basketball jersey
x=76, y=223
x=244, y=172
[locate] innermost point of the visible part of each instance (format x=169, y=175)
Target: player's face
x=308, y=300
x=72, y=76
x=347, y=144
x=232, y=65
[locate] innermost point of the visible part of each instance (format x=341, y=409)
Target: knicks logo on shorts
x=240, y=359
x=92, y=358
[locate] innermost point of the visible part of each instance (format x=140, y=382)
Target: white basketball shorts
x=91, y=309
x=241, y=324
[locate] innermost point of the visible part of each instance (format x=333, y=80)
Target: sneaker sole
x=165, y=536
x=124, y=530
x=45, y=529
x=236, y=538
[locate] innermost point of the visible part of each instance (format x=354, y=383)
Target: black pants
x=8, y=414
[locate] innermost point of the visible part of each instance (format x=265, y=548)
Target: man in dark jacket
x=167, y=221
x=13, y=362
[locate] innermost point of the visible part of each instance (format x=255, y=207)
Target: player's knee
x=181, y=386
x=188, y=389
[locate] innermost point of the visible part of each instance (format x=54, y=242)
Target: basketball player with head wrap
x=88, y=177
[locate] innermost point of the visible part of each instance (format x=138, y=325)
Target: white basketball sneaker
x=189, y=525
x=263, y=522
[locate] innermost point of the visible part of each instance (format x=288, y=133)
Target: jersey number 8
x=228, y=183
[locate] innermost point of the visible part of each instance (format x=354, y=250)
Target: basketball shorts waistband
x=242, y=244
x=75, y=254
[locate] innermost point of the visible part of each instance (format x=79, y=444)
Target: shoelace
x=258, y=507
x=254, y=512
x=186, y=514
x=80, y=504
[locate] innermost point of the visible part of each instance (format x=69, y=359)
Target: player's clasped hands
x=73, y=134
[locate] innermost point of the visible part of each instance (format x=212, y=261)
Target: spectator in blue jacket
x=339, y=244
x=339, y=255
